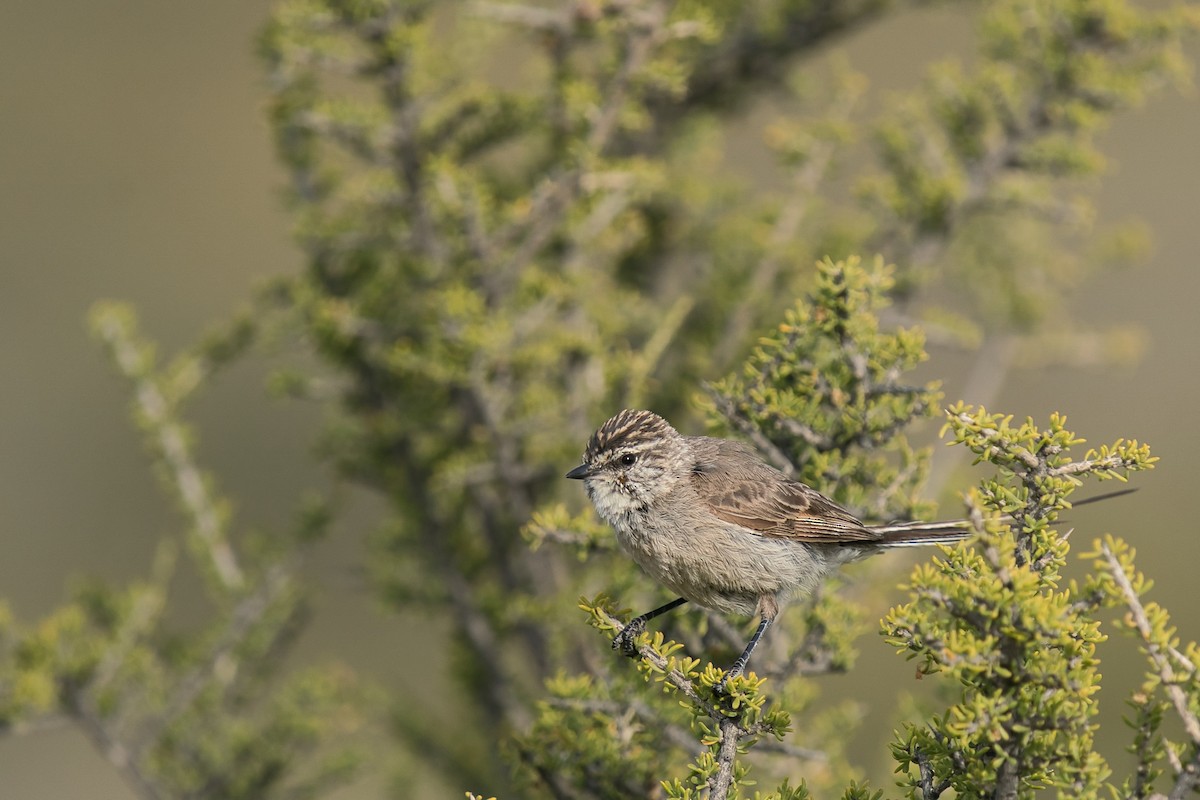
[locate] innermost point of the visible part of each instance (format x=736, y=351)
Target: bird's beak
x=579, y=473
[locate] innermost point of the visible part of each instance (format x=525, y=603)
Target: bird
x=710, y=520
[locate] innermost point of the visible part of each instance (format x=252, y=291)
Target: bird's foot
x=625, y=638
x=736, y=671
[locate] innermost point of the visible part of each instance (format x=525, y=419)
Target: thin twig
x=732, y=732
x=26, y=727
x=928, y=790
x=673, y=676
x=726, y=408
x=543, y=20
x=199, y=500
x=791, y=750
x=1084, y=467
x=117, y=754
x=1162, y=664
x=221, y=659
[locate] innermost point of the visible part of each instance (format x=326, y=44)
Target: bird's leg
x=768, y=608
x=739, y=666
x=623, y=641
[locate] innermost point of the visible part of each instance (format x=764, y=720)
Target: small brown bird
x=714, y=523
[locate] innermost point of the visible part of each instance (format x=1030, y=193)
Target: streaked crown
x=630, y=430
x=631, y=462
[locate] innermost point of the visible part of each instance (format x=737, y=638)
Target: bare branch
x=718, y=785
x=199, y=501
x=1086, y=466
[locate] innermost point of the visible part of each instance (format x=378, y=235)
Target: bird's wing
x=739, y=488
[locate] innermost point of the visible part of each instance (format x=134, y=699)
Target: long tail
x=916, y=534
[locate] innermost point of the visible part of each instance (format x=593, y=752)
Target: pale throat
x=616, y=506
x=625, y=509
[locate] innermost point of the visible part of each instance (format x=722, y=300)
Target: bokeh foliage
x=519, y=218
x=203, y=709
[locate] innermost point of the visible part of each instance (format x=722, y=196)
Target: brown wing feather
x=739, y=488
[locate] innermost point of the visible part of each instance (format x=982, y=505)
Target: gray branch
x=200, y=503
x=1158, y=657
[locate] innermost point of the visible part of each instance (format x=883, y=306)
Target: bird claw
x=722, y=686
x=624, y=640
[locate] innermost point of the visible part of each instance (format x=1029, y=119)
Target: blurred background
x=136, y=164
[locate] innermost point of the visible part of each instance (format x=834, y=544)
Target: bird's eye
x=628, y=459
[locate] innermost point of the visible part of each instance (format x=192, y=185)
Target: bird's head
x=632, y=461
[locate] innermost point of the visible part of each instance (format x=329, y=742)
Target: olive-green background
x=135, y=164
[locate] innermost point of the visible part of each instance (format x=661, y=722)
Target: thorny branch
x=1086, y=466
x=1027, y=459
x=732, y=732
x=1161, y=659
x=1187, y=775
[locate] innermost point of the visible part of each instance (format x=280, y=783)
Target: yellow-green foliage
x=992, y=617
x=497, y=260
x=828, y=393
x=832, y=357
